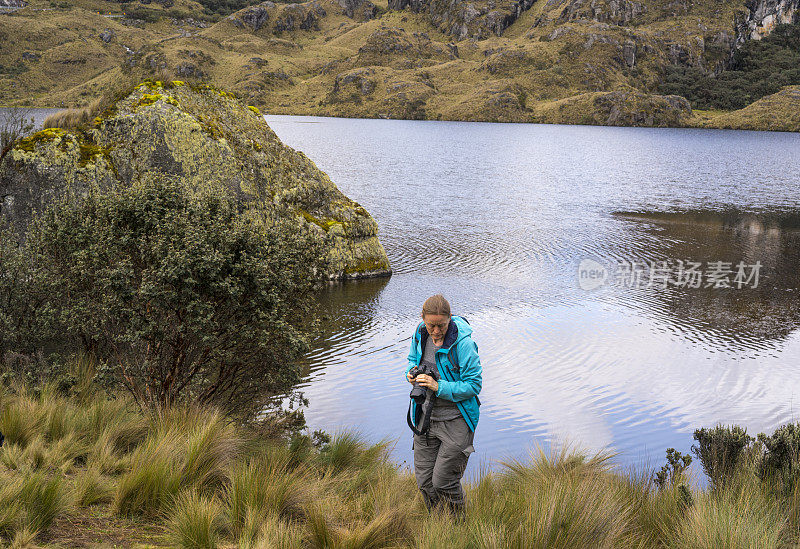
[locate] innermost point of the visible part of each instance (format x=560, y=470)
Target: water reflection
x=754, y=317
x=348, y=315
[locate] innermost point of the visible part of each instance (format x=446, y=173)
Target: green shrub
x=674, y=470
x=720, y=451
x=758, y=68
x=186, y=295
x=780, y=461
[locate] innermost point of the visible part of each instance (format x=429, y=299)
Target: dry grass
x=100, y=471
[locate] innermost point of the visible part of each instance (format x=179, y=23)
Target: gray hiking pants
x=440, y=458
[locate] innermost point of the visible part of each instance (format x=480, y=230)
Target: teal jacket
x=459, y=368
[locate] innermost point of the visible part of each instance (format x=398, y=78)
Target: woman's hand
x=409, y=377
x=428, y=382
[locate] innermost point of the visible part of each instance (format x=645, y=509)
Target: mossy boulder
x=208, y=140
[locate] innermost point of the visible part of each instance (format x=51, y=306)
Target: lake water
x=499, y=217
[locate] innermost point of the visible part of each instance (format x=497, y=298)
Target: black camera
x=418, y=392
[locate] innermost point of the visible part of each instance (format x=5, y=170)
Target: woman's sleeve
x=471, y=374
x=413, y=355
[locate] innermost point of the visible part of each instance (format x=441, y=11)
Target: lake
x=684, y=315
x=609, y=275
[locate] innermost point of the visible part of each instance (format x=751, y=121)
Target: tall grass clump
x=43, y=499
x=196, y=522
x=29, y=503
x=274, y=533
x=387, y=529
x=153, y=480
x=565, y=500
x=261, y=488
x=732, y=520
x=91, y=487
x=186, y=448
x=72, y=118
x=18, y=420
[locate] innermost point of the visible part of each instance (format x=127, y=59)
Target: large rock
x=618, y=108
x=286, y=17
x=763, y=15
x=208, y=140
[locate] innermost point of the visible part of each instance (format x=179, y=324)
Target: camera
x=418, y=392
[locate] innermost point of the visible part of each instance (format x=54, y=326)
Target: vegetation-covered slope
x=523, y=61
x=80, y=469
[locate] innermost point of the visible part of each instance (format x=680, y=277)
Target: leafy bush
x=759, y=68
x=720, y=450
x=185, y=296
x=780, y=461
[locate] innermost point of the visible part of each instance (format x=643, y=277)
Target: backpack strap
x=452, y=356
x=426, y=421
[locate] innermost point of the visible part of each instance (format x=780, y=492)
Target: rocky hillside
x=566, y=61
x=208, y=141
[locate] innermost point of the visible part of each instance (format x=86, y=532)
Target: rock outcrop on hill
x=209, y=141
x=762, y=17
x=461, y=19
x=280, y=17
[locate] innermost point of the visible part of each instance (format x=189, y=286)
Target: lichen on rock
x=208, y=140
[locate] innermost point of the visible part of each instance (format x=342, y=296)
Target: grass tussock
x=199, y=479
x=70, y=119
x=197, y=522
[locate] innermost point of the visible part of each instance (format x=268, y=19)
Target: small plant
x=673, y=470
x=15, y=124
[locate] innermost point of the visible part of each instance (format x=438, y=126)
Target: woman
x=443, y=343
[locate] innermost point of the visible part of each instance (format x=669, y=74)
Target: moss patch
x=366, y=266
x=148, y=99
x=28, y=144
x=325, y=224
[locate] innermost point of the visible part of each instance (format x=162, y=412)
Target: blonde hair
x=436, y=305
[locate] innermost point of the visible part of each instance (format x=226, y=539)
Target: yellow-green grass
x=91, y=467
x=296, y=71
